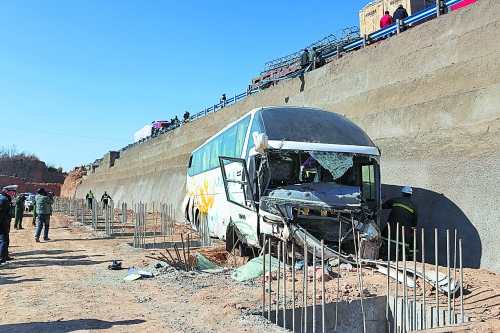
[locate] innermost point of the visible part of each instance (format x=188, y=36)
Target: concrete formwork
x=430, y=100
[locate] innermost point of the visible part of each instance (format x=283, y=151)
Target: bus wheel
x=244, y=250
x=197, y=222
x=231, y=238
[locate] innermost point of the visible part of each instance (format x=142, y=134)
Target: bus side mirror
x=260, y=141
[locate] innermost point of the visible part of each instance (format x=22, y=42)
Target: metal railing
x=331, y=46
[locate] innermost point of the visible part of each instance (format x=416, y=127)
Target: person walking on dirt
x=19, y=211
x=90, y=198
x=43, y=206
x=6, y=196
x=404, y=211
x=33, y=219
x=105, y=197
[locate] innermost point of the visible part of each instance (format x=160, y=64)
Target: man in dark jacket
x=105, y=197
x=405, y=212
x=6, y=196
x=304, y=59
x=43, y=206
x=400, y=14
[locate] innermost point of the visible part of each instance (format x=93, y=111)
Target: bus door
x=239, y=197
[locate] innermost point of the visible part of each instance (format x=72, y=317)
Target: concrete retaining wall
x=430, y=99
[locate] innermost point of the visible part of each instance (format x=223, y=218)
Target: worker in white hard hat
x=404, y=211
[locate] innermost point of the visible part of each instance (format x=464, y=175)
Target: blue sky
x=79, y=77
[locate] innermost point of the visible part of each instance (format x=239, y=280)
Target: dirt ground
x=64, y=285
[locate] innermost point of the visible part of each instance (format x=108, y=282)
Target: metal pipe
x=436, y=257
x=423, y=281
x=293, y=287
x=360, y=277
x=404, y=309
x=414, y=316
x=314, y=292
x=396, y=327
x=278, y=271
x=285, y=257
x=269, y=283
x=323, y=285
x=449, y=275
x=388, y=271
x=306, y=269
x=454, y=272
x=461, y=282
x=338, y=278
x=264, y=271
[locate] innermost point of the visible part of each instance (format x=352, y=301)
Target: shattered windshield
x=312, y=125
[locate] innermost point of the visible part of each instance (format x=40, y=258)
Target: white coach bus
x=289, y=173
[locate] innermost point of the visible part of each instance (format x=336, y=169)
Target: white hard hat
x=407, y=190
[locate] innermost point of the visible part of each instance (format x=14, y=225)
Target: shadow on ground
x=437, y=211
x=68, y=325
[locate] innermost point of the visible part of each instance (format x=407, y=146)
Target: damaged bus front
x=304, y=175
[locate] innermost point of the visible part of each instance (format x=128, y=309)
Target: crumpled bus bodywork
x=298, y=174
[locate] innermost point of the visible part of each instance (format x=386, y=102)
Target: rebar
x=269, y=283
x=423, y=282
x=314, y=291
x=278, y=245
x=264, y=272
x=404, y=308
x=293, y=287
x=285, y=257
x=461, y=283
x=449, y=275
x=436, y=257
x=306, y=269
x=388, y=272
x=323, y=285
x=397, y=279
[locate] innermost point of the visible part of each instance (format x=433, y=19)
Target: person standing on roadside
x=19, y=211
x=386, y=21
x=90, y=198
x=105, y=197
x=403, y=211
x=400, y=14
x=43, y=206
x=8, y=192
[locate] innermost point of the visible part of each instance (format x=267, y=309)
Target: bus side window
x=368, y=181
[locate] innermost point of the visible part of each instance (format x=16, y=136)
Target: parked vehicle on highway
x=29, y=203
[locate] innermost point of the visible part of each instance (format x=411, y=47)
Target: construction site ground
x=64, y=285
